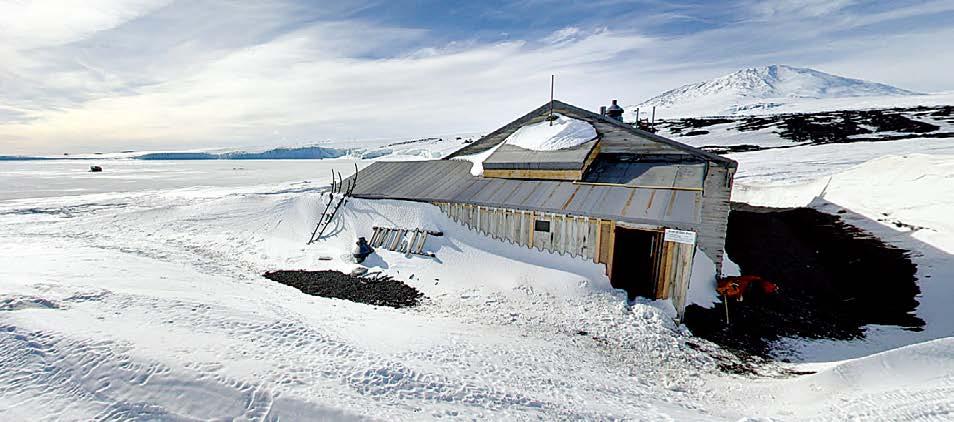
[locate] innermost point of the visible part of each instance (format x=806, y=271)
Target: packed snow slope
x=150, y=304
x=758, y=89
x=913, y=382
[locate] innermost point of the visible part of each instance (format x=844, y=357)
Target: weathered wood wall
x=675, y=271
x=568, y=235
x=716, y=195
x=589, y=238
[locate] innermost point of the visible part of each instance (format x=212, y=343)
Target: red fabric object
x=735, y=286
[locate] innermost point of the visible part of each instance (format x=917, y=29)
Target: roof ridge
x=652, y=136
x=622, y=125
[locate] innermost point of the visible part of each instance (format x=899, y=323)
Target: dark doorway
x=634, y=261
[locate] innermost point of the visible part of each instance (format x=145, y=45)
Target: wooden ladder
x=402, y=240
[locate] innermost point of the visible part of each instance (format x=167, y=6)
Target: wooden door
x=675, y=267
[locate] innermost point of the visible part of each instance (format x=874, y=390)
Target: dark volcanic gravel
x=843, y=126
x=381, y=290
x=833, y=280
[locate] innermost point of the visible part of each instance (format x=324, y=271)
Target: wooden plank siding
x=537, y=174
x=679, y=270
x=716, y=196
x=569, y=235
x=582, y=237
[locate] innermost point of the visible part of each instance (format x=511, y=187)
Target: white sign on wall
x=680, y=236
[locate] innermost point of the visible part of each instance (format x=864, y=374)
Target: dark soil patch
x=820, y=129
x=696, y=133
x=380, y=290
x=725, y=149
x=677, y=126
x=833, y=280
x=944, y=111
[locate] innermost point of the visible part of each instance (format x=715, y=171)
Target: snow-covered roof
x=614, y=137
x=561, y=132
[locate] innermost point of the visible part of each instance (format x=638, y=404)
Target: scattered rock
x=379, y=290
x=841, y=126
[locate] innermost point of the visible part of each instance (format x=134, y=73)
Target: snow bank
x=702, y=282
x=464, y=251
x=914, y=189
x=562, y=133
x=477, y=169
x=160, y=312
x=910, y=383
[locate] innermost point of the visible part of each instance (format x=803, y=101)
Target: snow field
x=151, y=305
x=141, y=298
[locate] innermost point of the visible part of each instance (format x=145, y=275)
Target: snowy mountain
x=758, y=89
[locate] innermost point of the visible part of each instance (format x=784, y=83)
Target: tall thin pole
x=725, y=301
x=652, y=122
x=550, y=118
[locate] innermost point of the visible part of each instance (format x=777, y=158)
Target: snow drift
x=151, y=305
x=561, y=133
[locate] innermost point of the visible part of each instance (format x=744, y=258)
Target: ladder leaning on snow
x=335, y=201
x=402, y=240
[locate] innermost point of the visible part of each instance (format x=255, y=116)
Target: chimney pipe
x=614, y=111
x=602, y=110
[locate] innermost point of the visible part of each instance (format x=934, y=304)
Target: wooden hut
x=637, y=202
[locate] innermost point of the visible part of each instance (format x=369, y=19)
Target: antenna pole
x=550, y=118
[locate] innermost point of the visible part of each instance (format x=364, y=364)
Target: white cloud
x=788, y=9
x=182, y=75
x=38, y=23
x=302, y=85
x=562, y=35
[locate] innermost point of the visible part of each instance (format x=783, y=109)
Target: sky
x=111, y=75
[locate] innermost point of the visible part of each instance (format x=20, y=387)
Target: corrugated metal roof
x=676, y=175
x=451, y=181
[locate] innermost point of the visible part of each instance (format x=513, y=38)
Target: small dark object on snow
x=361, y=250
x=95, y=169
x=380, y=290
